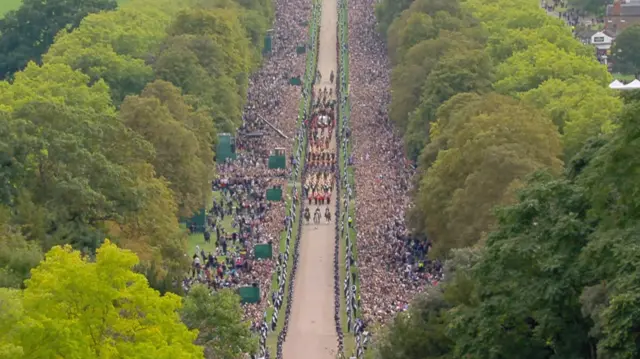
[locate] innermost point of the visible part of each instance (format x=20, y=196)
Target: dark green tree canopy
x=626, y=51
x=27, y=33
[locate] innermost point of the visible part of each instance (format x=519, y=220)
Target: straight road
x=312, y=331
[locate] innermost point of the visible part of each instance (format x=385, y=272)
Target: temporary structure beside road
x=617, y=85
x=633, y=85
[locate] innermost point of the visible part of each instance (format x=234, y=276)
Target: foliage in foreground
x=74, y=307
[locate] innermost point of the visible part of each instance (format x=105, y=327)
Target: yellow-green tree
x=488, y=146
x=504, y=42
x=10, y=314
x=117, y=46
x=580, y=107
x=77, y=308
x=528, y=69
x=55, y=83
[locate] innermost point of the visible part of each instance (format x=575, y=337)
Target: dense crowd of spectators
x=573, y=17
x=393, y=267
x=243, y=182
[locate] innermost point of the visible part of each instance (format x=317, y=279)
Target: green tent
x=226, y=147
x=268, y=44
x=274, y=194
x=301, y=49
x=199, y=219
x=249, y=294
x=263, y=251
x=277, y=159
x=295, y=81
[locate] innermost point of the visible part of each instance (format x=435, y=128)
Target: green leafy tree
x=388, y=10
x=27, y=33
x=255, y=17
x=580, y=107
x=456, y=72
x=209, y=55
x=408, y=30
x=218, y=318
x=408, y=77
x=17, y=255
x=626, y=51
x=10, y=314
x=487, y=155
x=419, y=333
x=529, y=280
x=74, y=307
x=224, y=27
x=191, y=63
x=76, y=172
x=530, y=68
x=611, y=177
x=65, y=168
x=182, y=155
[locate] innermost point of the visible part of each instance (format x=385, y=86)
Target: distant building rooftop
x=632, y=8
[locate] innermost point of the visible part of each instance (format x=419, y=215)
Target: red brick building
x=622, y=14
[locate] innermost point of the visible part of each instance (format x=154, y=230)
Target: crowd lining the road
x=393, y=266
x=243, y=182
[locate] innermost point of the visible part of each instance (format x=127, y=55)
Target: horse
x=327, y=215
x=307, y=215
x=316, y=217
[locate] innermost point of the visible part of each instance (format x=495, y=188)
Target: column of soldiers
x=321, y=160
x=318, y=187
x=321, y=128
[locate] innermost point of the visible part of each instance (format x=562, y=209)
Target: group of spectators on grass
x=241, y=184
x=572, y=16
x=393, y=266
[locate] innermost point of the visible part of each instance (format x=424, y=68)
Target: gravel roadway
x=312, y=333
